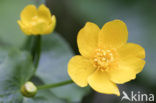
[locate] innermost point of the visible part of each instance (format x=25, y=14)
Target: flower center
x=103, y=59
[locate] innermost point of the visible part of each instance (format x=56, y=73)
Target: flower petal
x=44, y=13
x=130, y=63
x=79, y=68
x=131, y=49
x=51, y=26
x=88, y=39
x=126, y=70
x=23, y=27
x=39, y=28
x=28, y=13
x=100, y=82
x=113, y=34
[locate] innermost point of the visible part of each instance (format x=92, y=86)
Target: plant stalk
x=36, y=50
x=48, y=86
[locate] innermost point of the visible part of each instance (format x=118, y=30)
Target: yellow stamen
x=103, y=59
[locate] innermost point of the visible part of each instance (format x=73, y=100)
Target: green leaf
x=53, y=68
x=10, y=33
x=16, y=68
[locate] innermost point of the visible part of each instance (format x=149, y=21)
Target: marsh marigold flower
x=106, y=58
x=37, y=21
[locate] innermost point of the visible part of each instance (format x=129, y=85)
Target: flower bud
x=29, y=89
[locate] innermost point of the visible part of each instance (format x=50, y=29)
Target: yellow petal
x=39, y=28
x=113, y=34
x=43, y=27
x=44, y=13
x=126, y=70
x=131, y=49
x=121, y=74
x=88, y=39
x=51, y=26
x=100, y=82
x=23, y=27
x=134, y=63
x=28, y=13
x=130, y=63
x=79, y=68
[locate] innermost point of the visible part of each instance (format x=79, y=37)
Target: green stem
x=54, y=85
x=36, y=50
x=28, y=43
x=34, y=44
x=38, y=2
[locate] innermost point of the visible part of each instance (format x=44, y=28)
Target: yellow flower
x=106, y=58
x=37, y=21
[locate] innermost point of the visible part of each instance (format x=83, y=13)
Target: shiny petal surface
x=101, y=83
x=88, y=39
x=28, y=13
x=23, y=28
x=131, y=49
x=44, y=13
x=113, y=34
x=126, y=70
x=79, y=68
x=39, y=28
x=51, y=26
x=130, y=63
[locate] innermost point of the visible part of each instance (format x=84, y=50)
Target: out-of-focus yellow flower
x=106, y=57
x=37, y=21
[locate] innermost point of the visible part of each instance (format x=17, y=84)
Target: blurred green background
x=139, y=15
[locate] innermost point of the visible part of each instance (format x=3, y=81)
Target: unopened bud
x=29, y=89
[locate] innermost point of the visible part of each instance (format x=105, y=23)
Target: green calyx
x=29, y=89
